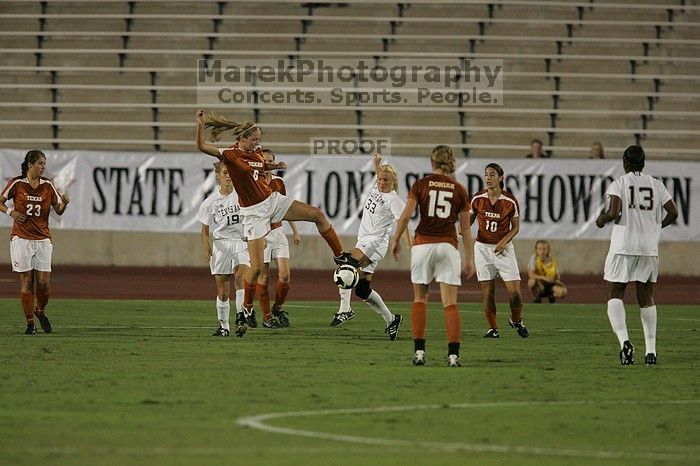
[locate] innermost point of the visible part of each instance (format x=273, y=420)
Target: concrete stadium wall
x=73, y=247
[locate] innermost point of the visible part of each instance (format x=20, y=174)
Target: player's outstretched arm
x=203, y=146
x=377, y=159
x=671, y=214
x=275, y=166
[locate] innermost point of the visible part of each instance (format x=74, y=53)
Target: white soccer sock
x=345, y=297
x=240, y=294
x=377, y=304
x=223, y=310
x=616, y=314
x=649, y=325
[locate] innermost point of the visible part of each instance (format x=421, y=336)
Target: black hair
x=498, y=169
x=31, y=157
x=633, y=158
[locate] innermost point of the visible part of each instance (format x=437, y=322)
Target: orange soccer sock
x=516, y=313
x=42, y=297
x=333, y=241
x=248, y=294
x=27, y=300
x=418, y=318
x=490, y=315
x=453, y=324
x=281, y=290
x=264, y=299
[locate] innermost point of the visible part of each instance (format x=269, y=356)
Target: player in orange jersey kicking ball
x=260, y=206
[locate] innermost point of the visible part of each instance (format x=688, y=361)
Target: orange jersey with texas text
x=494, y=220
x=440, y=200
x=35, y=203
x=247, y=172
x=277, y=185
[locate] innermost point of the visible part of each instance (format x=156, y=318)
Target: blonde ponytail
x=217, y=124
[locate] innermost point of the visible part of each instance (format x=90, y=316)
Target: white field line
x=259, y=422
x=191, y=451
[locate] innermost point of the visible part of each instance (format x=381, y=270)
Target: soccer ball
x=346, y=276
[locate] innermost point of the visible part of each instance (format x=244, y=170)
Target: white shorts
x=226, y=255
x=374, y=248
x=277, y=245
x=257, y=218
x=30, y=254
x=439, y=261
x=620, y=268
x=490, y=265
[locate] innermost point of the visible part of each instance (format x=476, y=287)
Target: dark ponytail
x=31, y=157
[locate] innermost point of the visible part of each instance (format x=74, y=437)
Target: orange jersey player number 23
x=35, y=203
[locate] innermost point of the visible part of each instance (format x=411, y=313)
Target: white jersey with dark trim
x=638, y=229
x=380, y=212
x=222, y=214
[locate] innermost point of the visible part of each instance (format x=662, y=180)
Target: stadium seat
x=618, y=63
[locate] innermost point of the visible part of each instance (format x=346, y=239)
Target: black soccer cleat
x=250, y=318
x=627, y=354
x=31, y=330
x=271, y=323
x=341, y=317
x=346, y=258
x=492, y=333
x=240, y=324
x=44, y=321
x=281, y=317
x=220, y=332
x=650, y=359
x=393, y=328
x=520, y=328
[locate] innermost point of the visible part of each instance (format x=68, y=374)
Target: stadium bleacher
x=122, y=75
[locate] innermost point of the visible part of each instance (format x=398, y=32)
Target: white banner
x=161, y=192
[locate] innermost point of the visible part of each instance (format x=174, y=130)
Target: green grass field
x=143, y=382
